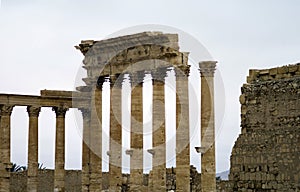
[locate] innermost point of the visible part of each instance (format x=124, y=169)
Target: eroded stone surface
x=266, y=155
x=134, y=55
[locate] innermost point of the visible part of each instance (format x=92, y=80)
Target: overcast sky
x=37, y=39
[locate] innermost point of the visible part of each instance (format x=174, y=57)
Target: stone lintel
x=124, y=66
x=78, y=100
x=133, y=65
x=56, y=93
x=126, y=41
x=84, y=88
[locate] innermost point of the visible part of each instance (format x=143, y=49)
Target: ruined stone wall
x=224, y=186
x=195, y=180
x=45, y=181
x=266, y=155
x=73, y=180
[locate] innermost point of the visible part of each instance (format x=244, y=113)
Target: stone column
x=115, y=141
x=96, y=181
x=136, y=140
x=5, y=163
x=85, y=174
x=158, y=176
x=59, y=172
x=182, y=130
x=208, y=162
x=32, y=173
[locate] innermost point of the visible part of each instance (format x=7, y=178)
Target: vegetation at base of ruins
x=41, y=166
x=19, y=168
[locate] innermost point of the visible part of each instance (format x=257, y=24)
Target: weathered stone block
x=293, y=68
x=283, y=70
x=268, y=119
x=273, y=71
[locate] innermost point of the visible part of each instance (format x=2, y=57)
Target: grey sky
x=37, y=39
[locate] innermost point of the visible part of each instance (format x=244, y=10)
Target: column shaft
x=208, y=162
x=59, y=172
x=159, y=138
x=182, y=132
x=115, y=151
x=136, y=160
x=96, y=141
x=5, y=113
x=85, y=175
x=32, y=174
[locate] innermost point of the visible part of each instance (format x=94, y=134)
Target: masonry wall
x=73, y=180
x=45, y=181
x=266, y=155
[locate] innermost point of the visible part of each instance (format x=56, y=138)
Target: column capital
x=159, y=74
x=137, y=78
x=100, y=81
x=151, y=151
x=60, y=111
x=6, y=110
x=33, y=111
x=86, y=113
x=116, y=80
x=207, y=68
x=200, y=149
x=129, y=152
x=182, y=70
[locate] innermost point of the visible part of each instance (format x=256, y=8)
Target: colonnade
x=157, y=177
x=32, y=171
x=92, y=176
x=107, y=60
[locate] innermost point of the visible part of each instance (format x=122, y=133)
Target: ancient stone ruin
x=114, y=60
x=265, y=157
